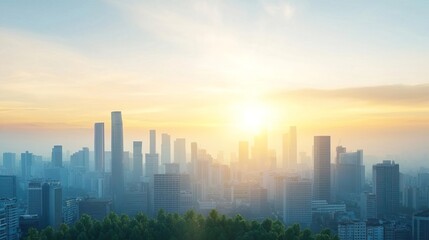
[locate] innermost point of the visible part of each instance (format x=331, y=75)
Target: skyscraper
x=290, y=150
x=322, y=168
x=99, y=146
x=168, y=190
x=386, y=187
x=137, y=160
x=26, y=163
x=152, y=142
x=152, y=158
x=52, y=204
x=9, y=162
x=350, y=175
x=57, y=156
x=180, y=153
x=297, y=201
x=117, y=185
x=165, y=149
x=35, y=198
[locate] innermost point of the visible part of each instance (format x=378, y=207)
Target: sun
x=253, y=117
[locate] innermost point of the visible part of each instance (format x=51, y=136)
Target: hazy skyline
x=202, y=69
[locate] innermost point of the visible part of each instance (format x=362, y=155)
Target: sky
x=216, y=72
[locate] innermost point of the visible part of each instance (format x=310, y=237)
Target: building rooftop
x=422, y=214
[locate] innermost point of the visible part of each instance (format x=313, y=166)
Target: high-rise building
x=137, y=160
x=57, y=156
x=52, y=204
x=243, y=154
x=152, y=141
x=152, y=158
x=297, y=201
x=368, y=206
x=322, y=168
x=7, y=186
x=80, y=159
x=45, y=200
x=9, y=160
x=117, y=181
x=99, y=146
x=168, y=189
x=165, y=149
x=34, y=198
x=180, y=153
x=386, y=187
x=11, y=217
x=26, y=163
x=421, y=225
x=290, y=150
x=350, y=175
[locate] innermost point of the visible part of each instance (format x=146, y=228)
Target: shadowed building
x=117, y=181
x=322, y=168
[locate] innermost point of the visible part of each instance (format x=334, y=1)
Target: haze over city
x=199, y=68
x=242, y=96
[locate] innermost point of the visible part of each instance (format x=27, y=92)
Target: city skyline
x=216, y=70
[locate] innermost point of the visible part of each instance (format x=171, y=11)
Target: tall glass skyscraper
x=99, y=146
x=117, y=183
x=322, y=168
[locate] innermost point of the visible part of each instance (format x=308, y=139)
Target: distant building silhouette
x=322, y=168
x=99, y=147
x=117, y=181
x=26, y=164
x=152, y=158
x=9, y=163
x=180, y=153
x=165, y=149
x=350, y=175
x=137, y=160
x=386, y=187
x=290, y=152
x=57, y=156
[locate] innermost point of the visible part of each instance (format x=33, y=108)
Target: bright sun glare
x=253, y=117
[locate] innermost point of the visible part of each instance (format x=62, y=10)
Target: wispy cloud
x=279, y=9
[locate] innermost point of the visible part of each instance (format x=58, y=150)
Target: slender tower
x=99, y=146
x=117, y=158
x=322, y=168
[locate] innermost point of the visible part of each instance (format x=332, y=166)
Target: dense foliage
x=174, y=226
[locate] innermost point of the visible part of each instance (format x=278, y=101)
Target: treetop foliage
x=175, y=227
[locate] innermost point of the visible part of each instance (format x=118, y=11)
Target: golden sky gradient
x=213, y=71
